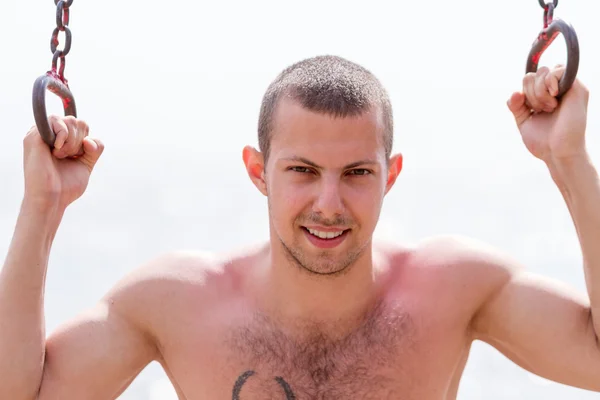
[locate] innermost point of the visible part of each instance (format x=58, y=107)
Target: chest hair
x=313, y=364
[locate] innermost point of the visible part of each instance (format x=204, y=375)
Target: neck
x=293, y=295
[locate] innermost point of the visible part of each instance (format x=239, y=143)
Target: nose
x=329, y=201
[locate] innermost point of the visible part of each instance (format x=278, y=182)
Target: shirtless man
x=318, y=312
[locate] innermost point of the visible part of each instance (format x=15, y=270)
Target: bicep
x=543, y=326
x=94, y=356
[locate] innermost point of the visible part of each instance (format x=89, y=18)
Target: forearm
x=22, y=279
x=579, y=183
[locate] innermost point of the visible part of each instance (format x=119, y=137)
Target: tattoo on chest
x=237, y=388
x=319, y=364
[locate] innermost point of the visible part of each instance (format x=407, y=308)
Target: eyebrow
x=312, y=164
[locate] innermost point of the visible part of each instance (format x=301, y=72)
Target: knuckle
x=541, y=90
x=82, y=129
x=542, y=71
x=61, y=135
x=70, y=121
x=73, y=145
x=540, y=80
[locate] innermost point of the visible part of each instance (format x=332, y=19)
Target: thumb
x=92, y=150
x=516, y=105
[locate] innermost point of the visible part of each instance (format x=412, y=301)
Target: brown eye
x=359, y=172
x=300, y=169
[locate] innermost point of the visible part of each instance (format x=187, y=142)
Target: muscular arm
x=100, y=352
x=22, y=279
x=92, y=357
x=541, y=324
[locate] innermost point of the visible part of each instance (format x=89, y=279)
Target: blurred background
x=174, y=89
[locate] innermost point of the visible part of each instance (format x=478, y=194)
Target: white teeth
x=325, y=235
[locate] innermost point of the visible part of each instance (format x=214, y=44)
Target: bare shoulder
x=478, y=268
x=456, y=254
x=172, y=282
x=468, y=255
x=121, y=334
x=189, y=267
x=456, y=267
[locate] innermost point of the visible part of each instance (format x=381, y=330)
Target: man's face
x=325, y=179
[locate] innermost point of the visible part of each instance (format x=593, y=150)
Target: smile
x=324, y=235
x=325, y=239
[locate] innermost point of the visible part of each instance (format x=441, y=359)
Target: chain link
x=62, y=25
x=543, y=3
x=548, y=14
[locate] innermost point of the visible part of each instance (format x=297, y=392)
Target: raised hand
x=550, y=128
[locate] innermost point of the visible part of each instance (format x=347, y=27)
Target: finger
x=541, y=90
x=83, y=131
x=529, y=91
x=553, y=79
x=73, y=143
x=83, y=128
x=517, y=106
x=552, y=82
x=92, y=150
x=60, y=129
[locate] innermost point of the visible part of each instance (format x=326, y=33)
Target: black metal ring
x=543, y=3
x=49, y=82
x=545, y=38
x=53, y=44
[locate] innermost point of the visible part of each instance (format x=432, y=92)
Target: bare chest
x=317, y=373
x=315, y=366
x=386, y=357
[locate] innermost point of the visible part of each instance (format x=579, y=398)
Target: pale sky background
x=174, y=89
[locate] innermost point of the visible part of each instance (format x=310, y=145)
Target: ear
x=254, y=162
x=394, y=170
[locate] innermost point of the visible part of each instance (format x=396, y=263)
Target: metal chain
x=62, y=22
x=52, y=80
x=549, y=13
x=543, y=3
